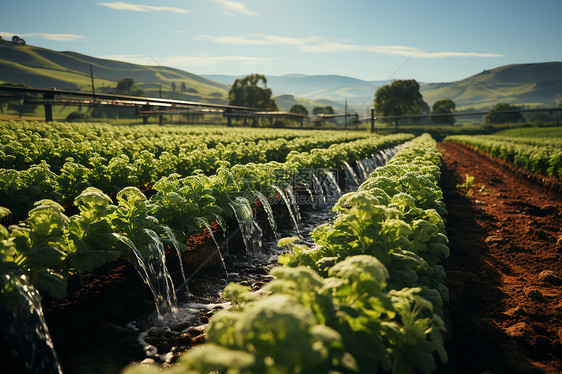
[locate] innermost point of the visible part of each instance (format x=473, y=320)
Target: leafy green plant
x=467, y=186
x=40, y=247
x=91, y=232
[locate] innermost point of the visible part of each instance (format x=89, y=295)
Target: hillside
x=45, y=68
x=534, y=85
x=538, y=84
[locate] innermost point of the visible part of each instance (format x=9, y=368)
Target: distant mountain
x=335, y=88
x=538, y=84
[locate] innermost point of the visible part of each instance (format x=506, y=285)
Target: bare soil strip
x=505, y=268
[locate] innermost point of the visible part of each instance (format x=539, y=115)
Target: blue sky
x=431, y=41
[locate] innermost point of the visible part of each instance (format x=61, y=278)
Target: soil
x=504, y=272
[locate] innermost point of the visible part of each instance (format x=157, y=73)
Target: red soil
x=505, y=268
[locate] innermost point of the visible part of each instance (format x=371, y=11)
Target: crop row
x=535, y=158
x=26, y=143
x=49, y=246
x=366, y=298
x=127, y=163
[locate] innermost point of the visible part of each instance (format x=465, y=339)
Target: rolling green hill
x=45, y=68
x=532, y=85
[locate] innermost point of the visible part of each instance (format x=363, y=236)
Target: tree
x=127, y=86
x=401, y=97
x=173, y=86
x=299, y=109
x=323, y=110
x=183, y=88
x=503, y=113
x=248, y=92
x=16, y=40
x=445, y=106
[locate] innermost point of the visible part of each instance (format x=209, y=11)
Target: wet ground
x=109, y=320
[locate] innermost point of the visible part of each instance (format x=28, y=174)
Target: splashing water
x=268, y=210
x=26, y=330
x=177, y=246
x=350, y=173
x=203, y=222
x=249, y=228
x=293, y=200
x=363, y=169
x=154, y=272
x=288, y=204
x=333, y=182
x=318, y=190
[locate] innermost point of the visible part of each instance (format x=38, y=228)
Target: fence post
x=49, y=107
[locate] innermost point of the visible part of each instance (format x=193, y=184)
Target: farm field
x=340, y=252
x=504, y=270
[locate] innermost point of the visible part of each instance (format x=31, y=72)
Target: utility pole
x=93, y=86
x=345, y=115
x=160, y=117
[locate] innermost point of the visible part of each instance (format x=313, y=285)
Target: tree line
x=399, y=98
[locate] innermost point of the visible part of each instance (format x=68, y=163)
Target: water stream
x=249, y=228
x=204, y=223
x=268, y=210
x=26, y=330
x=351, y=174
x=289, y=206
x=177, y=247
x=154, y=273
x=187, y=313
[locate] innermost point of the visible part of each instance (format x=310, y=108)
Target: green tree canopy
x=248, y=92
x=299, y=109
x=445, y=106
x=127, y=86
x=504, y=113
x=16, y=40
x=401, y=97
x=323, y=110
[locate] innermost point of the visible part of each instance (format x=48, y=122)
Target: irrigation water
x=185, y=316
x=26, y=330
x=204, y=223
x=289, y=207
x=252, y=267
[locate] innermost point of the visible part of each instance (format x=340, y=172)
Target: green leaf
x=43, y=257
x=88, y=261
x=52, y=284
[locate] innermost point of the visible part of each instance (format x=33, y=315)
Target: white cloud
x=188, y=61
x=314, y=44
x=119, y=5
x=236, y=7
x=43, y=35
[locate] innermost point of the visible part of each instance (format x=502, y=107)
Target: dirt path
x=505, y=268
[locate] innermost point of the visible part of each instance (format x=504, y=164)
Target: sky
x=430, y=41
